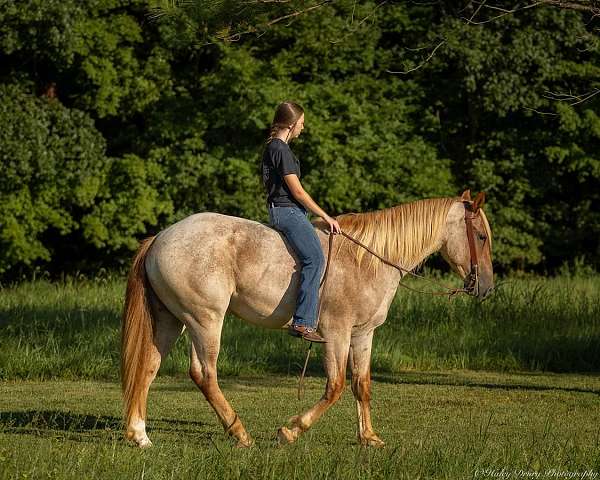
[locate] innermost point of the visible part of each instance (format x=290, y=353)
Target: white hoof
x=144, y=443
x=137, y=434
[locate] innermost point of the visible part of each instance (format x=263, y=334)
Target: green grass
x=70, y=330
x=60, y=403
x=442, y=425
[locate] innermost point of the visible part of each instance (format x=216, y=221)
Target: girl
x=288, y=203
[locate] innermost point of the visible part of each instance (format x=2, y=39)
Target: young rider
x=288, y=205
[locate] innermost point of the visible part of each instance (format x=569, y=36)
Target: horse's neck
x=406, y=234
x=434, y=245
x=421, y=260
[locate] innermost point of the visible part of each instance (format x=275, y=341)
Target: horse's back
x=243, y=264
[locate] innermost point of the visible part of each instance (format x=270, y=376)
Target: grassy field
x=436, y=401
x=442, y=425
x=70, y=330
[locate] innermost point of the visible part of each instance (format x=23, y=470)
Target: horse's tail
x=137, y=330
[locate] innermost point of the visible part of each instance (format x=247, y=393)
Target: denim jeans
x=299, y=232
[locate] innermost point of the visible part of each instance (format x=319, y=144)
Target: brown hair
x=286, y=115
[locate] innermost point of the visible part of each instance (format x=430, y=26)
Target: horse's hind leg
x=167, y=329
x=336, y=359
x=206, y=341
x=361, y=387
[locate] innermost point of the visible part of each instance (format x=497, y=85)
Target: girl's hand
x=334, y=226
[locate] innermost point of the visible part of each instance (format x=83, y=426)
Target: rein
x=450, y=291
x=471, y=288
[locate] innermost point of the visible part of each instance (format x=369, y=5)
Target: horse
x=195, y=271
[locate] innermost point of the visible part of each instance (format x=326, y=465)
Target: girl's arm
x=297, y=190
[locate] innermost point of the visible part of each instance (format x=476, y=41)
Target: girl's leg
x=301, y=235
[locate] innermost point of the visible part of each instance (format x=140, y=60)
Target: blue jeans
x=299, y=232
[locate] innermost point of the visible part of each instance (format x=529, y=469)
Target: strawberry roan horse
x=194, y=272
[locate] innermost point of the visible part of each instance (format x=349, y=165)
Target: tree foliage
x=116, y=124
x=58, y=189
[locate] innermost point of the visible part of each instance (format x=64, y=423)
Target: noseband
x=472, y=280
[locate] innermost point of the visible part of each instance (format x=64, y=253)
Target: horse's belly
x=262, y=313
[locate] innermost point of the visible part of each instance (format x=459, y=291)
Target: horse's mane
x=405, y=234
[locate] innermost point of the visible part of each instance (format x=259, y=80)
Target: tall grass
x=71, y=330
x=527, y=324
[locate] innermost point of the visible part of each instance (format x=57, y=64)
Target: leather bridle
x=472, y=280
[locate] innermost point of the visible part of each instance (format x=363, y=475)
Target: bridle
x=472, y=280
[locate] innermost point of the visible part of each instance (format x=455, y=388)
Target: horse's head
x=467, y=246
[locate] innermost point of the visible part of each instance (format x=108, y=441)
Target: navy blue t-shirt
x=278, y=160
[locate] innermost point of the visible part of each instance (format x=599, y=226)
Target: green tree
x=59, y=192
x=52, y=165
x=509, y=133
x=361, y=148
x=115, y=125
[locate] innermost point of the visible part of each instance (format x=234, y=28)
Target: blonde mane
x=405, y=234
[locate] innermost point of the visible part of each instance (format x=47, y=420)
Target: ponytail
x=272, y=132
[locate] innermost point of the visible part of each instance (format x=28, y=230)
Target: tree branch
x=429, y=57
x=363, y=20
x=589, y=6
x=570, y=98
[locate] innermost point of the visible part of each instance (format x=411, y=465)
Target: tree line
x=115, y=124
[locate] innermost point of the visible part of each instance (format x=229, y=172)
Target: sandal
x=307, y=333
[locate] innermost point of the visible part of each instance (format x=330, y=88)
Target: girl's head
x=289, y=117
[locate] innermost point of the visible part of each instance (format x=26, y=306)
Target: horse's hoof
x=141, y=441
x=375, y=442
x=136, y=432
x=285, y=436
x=246, y=443
x=144, y=443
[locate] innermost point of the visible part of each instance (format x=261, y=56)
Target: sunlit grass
x=440, y=425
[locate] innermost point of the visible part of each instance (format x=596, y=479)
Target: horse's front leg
x=336, y=358
x=361, y=387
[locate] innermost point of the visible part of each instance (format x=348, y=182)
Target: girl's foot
x=307, y=333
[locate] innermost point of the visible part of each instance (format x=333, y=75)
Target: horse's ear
x=466, y=196
x=479, y=201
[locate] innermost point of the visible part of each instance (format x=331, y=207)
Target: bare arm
x=297, y=190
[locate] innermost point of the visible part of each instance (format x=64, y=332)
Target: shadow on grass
x=559, y=352
x=453, y=380
x=57, y=420
x=81, y=427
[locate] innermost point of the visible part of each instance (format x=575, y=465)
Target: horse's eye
x=482, y=237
